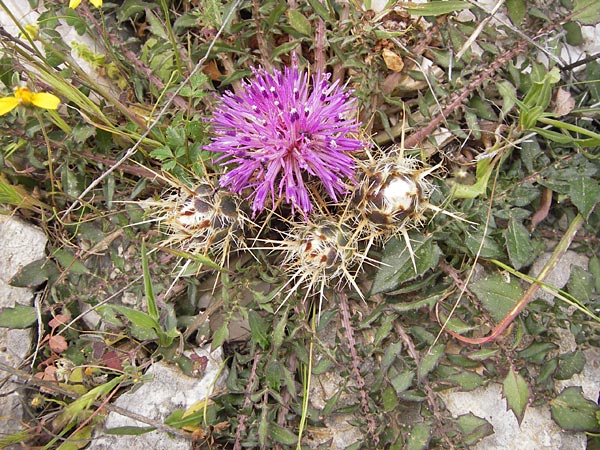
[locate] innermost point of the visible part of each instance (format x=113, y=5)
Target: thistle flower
x=23, y=96
x=280, y=132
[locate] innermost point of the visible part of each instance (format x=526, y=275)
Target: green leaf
x=259, y=329
x=581, y=284
x=298, y=22
x=574, y=36
x=518, y=244
x=496, y=295
x=69, y=262
x=162, y=153
x=573, y=412
x=517, y=393
x=18, y=317
x=279, y=329
x=177, y=419
x=586, y=12
x=419, y=437
x=516, y=10
x=483, y=173
x=430, y=360
x=569, y=364
x=509, y=94
x=489, y=249
x=34, y=274
x=403, y=381
x=467, y=380
x=175, y=137
x=537, y=352
x=282, y=435
x=428, y=302
x=584, y=193
x=437, y=8
x=592, y=73
x=220, y=335
x=321, y=9
x=139, y=318
x=396, y=263
x=128, y=430
x=473, y=428
x=148, y=289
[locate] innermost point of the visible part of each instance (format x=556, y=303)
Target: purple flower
x=279, y=132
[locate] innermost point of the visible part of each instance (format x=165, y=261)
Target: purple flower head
x=279, y=132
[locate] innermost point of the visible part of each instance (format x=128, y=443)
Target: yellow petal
x=74, y=3
x=96, y=3
x=7, y=104
x=45, y=100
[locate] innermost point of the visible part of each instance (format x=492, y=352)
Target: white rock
x=537, y=431
x=588, y=379
x=25, y=15
x=561, y=273
x=20, y=244
x=168, y=390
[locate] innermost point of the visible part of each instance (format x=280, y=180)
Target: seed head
x=203, y=220
x=281, y=133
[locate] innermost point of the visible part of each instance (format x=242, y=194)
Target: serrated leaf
x=419, y=437
x=586, y=12
x=428, y=302
x=430, y=360
x=518, y=244
x=436, y=8
x=18, y=317
x=573, y=412
x=396, y=264
x=516, y=392
x=496, y=295
x=258, y=329
x=298, y=22
x=279, y=330
x=175, y=137
x=467, y=380
x=489, y=249
x=584, y=193
x=282, y=435
x=473, y=428
x=537, y=351
x=403, y=381
x=569, y=364
x=162, y=153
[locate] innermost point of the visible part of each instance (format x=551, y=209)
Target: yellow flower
x=23, y=96
x=75, y=3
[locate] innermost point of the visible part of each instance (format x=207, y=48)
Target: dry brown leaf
x=392, y=60
x=58, y=344
x=563, y=103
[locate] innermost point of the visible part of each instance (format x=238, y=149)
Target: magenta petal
x=281, y=132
